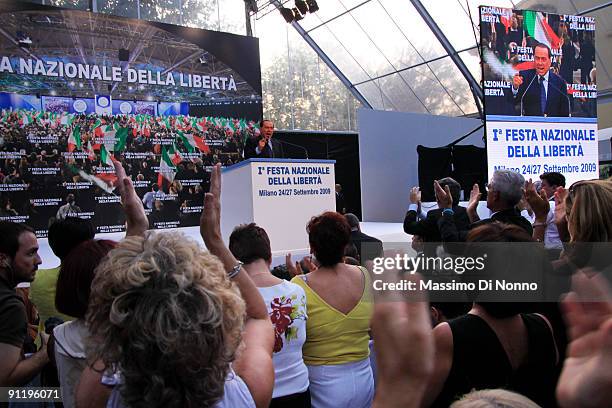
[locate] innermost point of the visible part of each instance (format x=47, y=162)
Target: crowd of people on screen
x=156, y=320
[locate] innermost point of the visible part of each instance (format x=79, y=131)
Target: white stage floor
x=386, y=232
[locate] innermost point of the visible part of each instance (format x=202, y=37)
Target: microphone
x=525, y=93
x=295, y=145
x=569, y=105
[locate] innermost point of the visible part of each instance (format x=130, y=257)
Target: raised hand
x=308, y=264
x=473, y=203
x=538, y=201
x=517, y=81
x=443, y=196
x=415, y=195
x=262, y=143
x=210, y=221
x=586, y=379
x=293, y=269
x=475, y=195
x=404, y=367
x=135, y=216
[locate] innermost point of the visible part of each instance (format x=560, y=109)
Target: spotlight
x=301, y=5
x=287, y=14
x=312, y=6
x=296, y=14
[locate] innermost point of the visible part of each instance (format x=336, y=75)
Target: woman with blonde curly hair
x=495, y=398
x=175, y=326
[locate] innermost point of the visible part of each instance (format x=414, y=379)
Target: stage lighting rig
x=312, y=6
x=301, y=6
x=290, y=15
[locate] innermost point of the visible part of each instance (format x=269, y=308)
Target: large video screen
x=540, y=87
x=78, y=88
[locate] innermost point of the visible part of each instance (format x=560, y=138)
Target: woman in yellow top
x=339, y=308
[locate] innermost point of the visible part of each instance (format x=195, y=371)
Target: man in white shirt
x=550, y=182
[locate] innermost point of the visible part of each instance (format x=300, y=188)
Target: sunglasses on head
x=577, y=184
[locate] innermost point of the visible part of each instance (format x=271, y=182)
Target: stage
x=385, y=231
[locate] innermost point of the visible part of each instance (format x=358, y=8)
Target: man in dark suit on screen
x=539, y=91
x=263, y=146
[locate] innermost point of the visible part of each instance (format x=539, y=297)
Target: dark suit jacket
x=252, y=144
x=368, y=247
x=450, y=233
x=556, y=98
x=428, y=228
x=511, y=216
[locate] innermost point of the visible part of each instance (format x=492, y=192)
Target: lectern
x=280, y=195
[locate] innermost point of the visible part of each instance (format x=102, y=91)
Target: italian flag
x=106, y=181
x=121, y=134
x=105, y=156
x=167, y=170
x=89, y=150
x=175, y=154
x=538, y=28
x=199, y=125
x=74, y=140
x=66, y=119
x=191, y=142
x=99, y=128
x=25, y=119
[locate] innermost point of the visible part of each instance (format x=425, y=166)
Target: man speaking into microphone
x=262, y=145
x=539, y=91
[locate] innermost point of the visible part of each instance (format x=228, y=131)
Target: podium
x=280, y=195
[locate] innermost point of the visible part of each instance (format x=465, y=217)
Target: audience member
x=166, y=319
x=340, y=201
x=494, y=399
x=70, y=209
x=427, y=228
x=550, y=182
x=19, y=261
x=336, y=349
x=505, y=190
x=71, y=298
x=286, y=303
x=367, y=246
x=495, y=345
x=586, y=379
x=405, y=367
x=583, y=214
x=63, y=236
